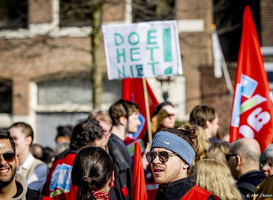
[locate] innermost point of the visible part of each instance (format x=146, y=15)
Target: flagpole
x=226, y=75
x=147, y=110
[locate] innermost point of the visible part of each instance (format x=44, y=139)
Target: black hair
x=5, y=134
x=48, y=154
x=85, y=132
x=63, y=131
x=92, y=169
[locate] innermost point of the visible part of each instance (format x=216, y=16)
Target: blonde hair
x=218, y=151
x=202, y=145
x=215, y=177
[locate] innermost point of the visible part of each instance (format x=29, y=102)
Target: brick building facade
x=44, y=63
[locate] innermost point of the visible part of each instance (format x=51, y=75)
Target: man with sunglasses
x=13, y=185
x=243, y=160
x=33, y=169
x=171, y=155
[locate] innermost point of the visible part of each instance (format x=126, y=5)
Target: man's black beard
x=6, y=183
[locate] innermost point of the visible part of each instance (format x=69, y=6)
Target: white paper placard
x=139, y=50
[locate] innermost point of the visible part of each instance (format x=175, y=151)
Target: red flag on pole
x=132, y=90
x=252, y=101
x=139, y=186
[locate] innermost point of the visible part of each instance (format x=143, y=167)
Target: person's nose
x=2, y=160
x=156, y=160
x=265, y=167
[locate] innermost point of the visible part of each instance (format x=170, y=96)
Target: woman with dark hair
x=92, y=173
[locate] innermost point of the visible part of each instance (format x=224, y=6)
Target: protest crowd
x=184, y=161
x=170, y=160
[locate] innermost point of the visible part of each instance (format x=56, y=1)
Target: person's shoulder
x=36, y=195
x=201, y=193
x=62, y=154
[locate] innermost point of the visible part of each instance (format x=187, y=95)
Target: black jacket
x=176, y=190
x=247, y=183
x=123, y=169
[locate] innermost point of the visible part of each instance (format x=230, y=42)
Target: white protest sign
x=139, y=50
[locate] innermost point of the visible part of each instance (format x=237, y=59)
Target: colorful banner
x=252, y=102
x=146, y=49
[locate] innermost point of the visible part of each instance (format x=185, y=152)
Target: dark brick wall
x=266, y=7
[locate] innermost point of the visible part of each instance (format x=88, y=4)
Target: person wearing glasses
x=171, y=155
x=243, y=160
x=33, y=169
x=13, y=185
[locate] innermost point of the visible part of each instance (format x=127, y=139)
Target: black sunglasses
x=9, y=156
x=163, y=156
x=229, y=155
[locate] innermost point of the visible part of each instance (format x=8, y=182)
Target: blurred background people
x=202, y=144
x=125, y=118
x=37, y=151
x=48, y=156
x=243, y=160
x=163, y=117
x=105, y=122
x=215, y=177
x=267, y=161
x=63, y=134
x=264, y=190
x=58, y=184
x=218, y=151
x=206, y=117
x=33, y=169
x=92, y=173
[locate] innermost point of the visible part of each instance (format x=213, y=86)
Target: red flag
x=252, y=101
x=139, y=187
x=132, y=90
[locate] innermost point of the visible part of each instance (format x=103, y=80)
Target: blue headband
x=175, y=144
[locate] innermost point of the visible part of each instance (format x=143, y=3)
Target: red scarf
x=100, y=195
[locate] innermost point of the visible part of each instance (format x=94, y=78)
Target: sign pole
x=147, y=110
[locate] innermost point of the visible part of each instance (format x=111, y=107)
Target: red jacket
x=195, y=193
x=58, y=184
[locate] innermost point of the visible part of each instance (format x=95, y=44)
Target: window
x=153, y=10
x=75, y=90
x=75, y=13
x=228, y=17
x=5, y=96
x=13, y=14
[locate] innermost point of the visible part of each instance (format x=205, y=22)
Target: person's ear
x=29, y=140
x=17, y=161
x=186, y=166
x=112, y=180
x=123, y=120
x=208, y=124
x=238, y=160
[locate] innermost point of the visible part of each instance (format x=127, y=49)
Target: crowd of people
x=185, y=160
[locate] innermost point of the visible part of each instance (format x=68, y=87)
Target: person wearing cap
x=171, y=155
